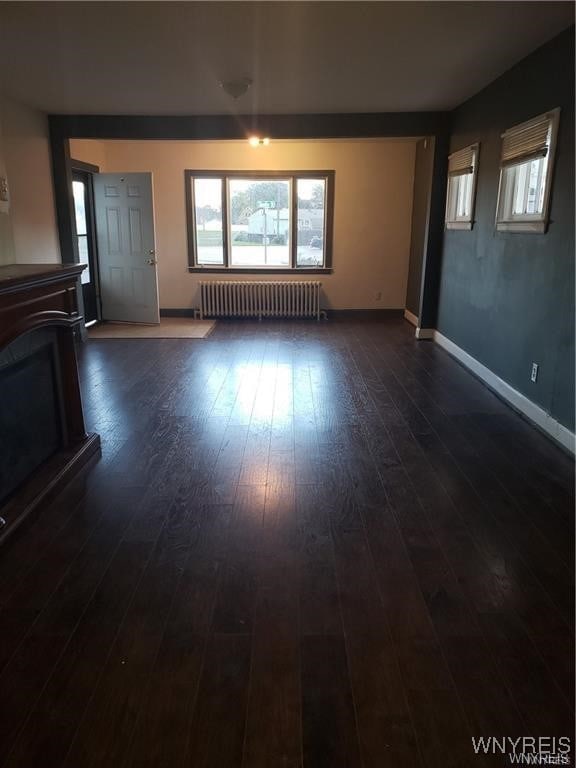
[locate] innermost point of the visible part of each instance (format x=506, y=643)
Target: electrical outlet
x=3, y=189
x=534, y=374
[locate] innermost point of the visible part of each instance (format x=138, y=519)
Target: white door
x=126, y=247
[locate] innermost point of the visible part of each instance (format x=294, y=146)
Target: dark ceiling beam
x=330, y=126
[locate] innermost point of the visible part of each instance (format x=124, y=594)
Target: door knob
x=151, y=261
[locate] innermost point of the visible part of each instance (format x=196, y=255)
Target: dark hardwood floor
x=319, y=545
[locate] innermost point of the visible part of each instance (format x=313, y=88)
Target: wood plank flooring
x=305, y=546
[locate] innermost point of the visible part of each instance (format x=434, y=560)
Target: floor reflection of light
x=262, y=394
x=283, y=396
x=215, y=378
x=264, y=400
x=248, y=376
x=250, y=509
x=258, y=384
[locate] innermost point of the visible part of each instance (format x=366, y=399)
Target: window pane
x=459, y=196
x=459, y=206
x=259, y=223
x=464, y=195
x=520, y=188
x=543, y=172
x=208, y=218
x=83, y=251
x=311, y=227
x=529, y=181
x=78, y=194
x=537, y=178
x=532, y=199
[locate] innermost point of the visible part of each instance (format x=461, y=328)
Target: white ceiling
x=167, y=58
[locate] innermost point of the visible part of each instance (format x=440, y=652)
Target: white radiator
x=244, y=298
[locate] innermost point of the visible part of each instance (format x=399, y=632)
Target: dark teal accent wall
x=508, y=298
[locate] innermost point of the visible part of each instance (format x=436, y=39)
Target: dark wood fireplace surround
x=38, y=296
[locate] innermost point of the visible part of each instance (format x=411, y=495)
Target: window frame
x=284, y=175
x=451, y=219
x=537, y=223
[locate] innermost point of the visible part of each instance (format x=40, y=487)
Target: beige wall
x=28, y=233
x=373, y=207
x=6, y=237
x=89, y=151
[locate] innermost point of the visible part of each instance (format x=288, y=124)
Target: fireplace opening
x=30, y=413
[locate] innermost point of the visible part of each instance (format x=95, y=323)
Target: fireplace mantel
x=37, y=297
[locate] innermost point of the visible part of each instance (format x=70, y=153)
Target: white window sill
x=459, y=225
x=538, y=227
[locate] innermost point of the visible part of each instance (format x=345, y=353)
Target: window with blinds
x=462, y=168
x=526, y=162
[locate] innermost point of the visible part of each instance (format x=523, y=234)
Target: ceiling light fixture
x=235, y=88
x=256, y=141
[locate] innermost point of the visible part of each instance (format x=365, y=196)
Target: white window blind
x=527, y=141
x=462, y=162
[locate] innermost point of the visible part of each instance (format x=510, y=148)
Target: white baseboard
x=517, y=400
x=411, y=318
x=425, y=333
